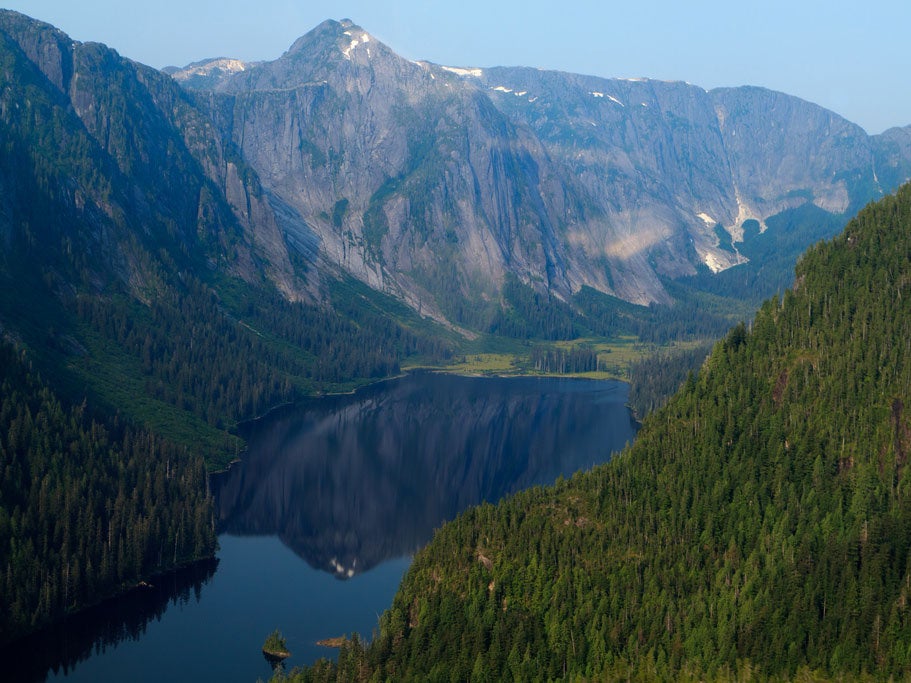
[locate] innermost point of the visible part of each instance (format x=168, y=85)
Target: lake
x=318, y=524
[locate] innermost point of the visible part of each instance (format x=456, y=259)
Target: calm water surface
x=318, y=524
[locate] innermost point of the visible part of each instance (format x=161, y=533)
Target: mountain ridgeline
x=760, y=525
x=509, y=201
x=434, y=183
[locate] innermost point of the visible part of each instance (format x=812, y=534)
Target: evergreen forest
x=87, y=508
x=759, y=527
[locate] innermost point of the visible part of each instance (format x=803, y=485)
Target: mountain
x=182, y=251
x=142, y=262
x=759, y=527
x=462, y=192
x=433, y=183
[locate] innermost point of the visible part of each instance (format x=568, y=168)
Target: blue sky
x=851, y=57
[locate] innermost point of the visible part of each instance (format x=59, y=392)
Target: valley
x=184, y=250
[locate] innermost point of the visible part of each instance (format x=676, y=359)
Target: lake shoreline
x=145, y=583
x=411, y=451
x=57, y=644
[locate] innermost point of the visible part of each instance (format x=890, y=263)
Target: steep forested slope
x=761, y=523
x=86, y=508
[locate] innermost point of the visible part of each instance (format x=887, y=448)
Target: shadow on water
x=350, y=481
x=61, y=646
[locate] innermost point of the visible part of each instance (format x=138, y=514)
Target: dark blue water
x=319, y=523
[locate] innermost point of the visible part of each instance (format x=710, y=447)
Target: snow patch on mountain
x=361, y=39
x=220, y=66
x=508, y=91
x=601, y=95
x=476, y=73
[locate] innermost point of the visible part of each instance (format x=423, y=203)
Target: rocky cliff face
x=433, y=182
x=395, y=171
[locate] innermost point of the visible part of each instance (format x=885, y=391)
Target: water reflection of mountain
x=61, y=646
x=348, y=482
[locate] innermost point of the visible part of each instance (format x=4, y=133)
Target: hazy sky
x=851, y=57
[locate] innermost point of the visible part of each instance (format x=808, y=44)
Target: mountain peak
x=312, y=58
x=344, y=34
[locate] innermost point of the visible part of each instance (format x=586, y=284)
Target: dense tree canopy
x=86, y=509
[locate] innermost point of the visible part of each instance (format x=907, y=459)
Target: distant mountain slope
x=433, y=182
x=760, y=525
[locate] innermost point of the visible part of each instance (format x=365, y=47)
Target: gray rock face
x=784, y=151
x=433, y=182
x=207, y=74
x=893, y=156
x=407, y=178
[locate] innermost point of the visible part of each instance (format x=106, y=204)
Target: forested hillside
x=759, y=527
x=86, y=508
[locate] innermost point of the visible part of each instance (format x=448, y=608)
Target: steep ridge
x=129, y=127
x=759, y=527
